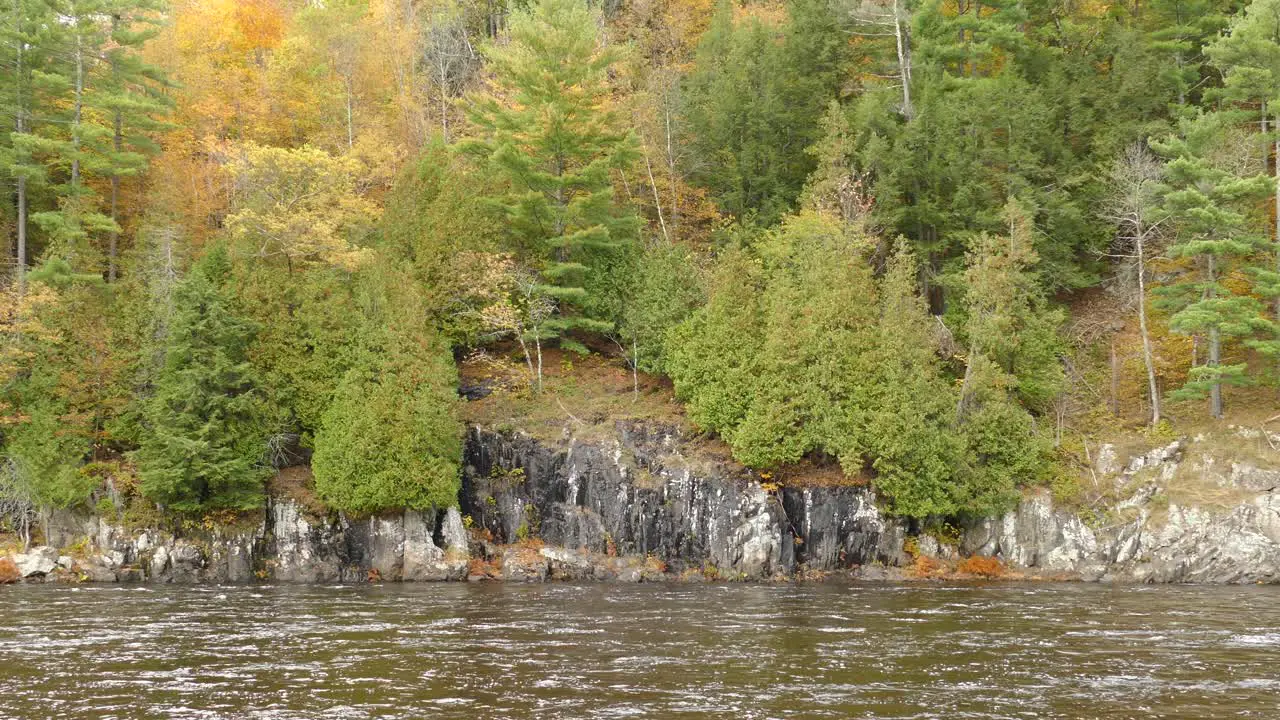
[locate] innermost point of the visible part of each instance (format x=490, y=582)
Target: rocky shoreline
x=640, y=505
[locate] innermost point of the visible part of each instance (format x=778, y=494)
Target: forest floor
x=587, y=396
x=587, y=393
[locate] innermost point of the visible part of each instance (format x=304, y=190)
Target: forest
x=935, y=245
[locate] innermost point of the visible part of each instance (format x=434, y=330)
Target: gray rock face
x=396, y=546
x=1199, y=546
x=1147, y=536
x=638, y=495
x=286, y=545
x=1036, y=535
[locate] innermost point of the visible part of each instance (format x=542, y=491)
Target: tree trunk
x=1115, y=379
x=78, y=108
x=22, y=232
x=1276, y=128
x=1215, y=392
x=20, y=126
x=671, y=171
x=444, y=111
x=117, y=143
x=657, y=201
x=537, y=342
x=1215, y=352
x=351, y=133
x=904, y=63
x=635, y=369
x=528, y=360
x=1147, y=357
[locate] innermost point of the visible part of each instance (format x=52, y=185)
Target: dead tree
x=1132, y=208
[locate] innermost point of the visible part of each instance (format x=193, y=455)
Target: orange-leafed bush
x=483, y=568
x=981, y=566
x=8, y=572
x=655, y=565
x=926, y=567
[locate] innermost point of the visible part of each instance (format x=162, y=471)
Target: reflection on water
x=655, y=651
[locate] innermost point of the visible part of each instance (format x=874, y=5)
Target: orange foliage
x=260, y=24
x=982, y=566
x=927, y=567
x=483, y=568
x=8, y=572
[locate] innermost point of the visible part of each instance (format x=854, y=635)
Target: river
x=655, y=651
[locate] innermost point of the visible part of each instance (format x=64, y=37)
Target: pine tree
x=1207, y=204
x=204, y=443
x=1179, y=31
x=131, y=92
x=76, y=43
x=1249, y=57
x=27, y=49
x=552, y=135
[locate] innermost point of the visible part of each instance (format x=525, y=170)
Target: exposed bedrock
x=639, y=501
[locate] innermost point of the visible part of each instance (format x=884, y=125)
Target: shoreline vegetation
x=642, y=501
x=935, y=264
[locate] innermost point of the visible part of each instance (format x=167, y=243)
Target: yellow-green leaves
x=298, y=207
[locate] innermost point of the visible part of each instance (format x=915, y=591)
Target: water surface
x=655, y=651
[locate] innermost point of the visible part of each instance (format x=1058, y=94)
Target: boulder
x=523, y=564
x=454, y=532
x=563, y=564
x=37, y=562
x=96, y=572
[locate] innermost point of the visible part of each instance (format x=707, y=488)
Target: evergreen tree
x=389, y=438
x=76, y=41
x=203, y=446
x=1008, y=323
x=131, y=92
x=1249, y=57
x=713, y=356
x=753, y=102
x=1178, y=32
x=666, y=289
x=913, y=452
x=551, y=134
x=810, y=389
x=28, y=49
x=1012, y=364
x=1208, y=204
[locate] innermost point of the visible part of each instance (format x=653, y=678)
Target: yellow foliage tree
x=301, y=205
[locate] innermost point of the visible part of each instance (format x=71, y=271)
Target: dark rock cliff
x=639, y=501
x=638, y=494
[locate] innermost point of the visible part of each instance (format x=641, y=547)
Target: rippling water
x=657, y=651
